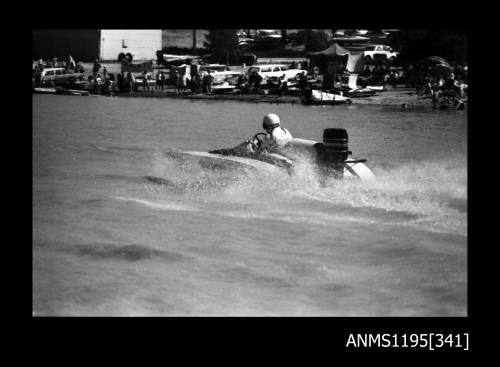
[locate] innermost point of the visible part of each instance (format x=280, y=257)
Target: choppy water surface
x=107, y=241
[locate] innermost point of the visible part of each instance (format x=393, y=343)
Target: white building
x=141, y=43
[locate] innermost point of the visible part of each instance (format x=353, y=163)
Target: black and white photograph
x=250, y=172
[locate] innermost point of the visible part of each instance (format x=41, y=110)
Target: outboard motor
x=333, y=152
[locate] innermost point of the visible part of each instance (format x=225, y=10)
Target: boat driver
x=277, y=137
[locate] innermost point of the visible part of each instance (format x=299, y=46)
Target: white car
x=57, y=76
x=389, y=53
x=220, y=77
x=277, y=70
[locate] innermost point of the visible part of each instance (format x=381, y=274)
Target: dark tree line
x=222, y=43
x=416, y=44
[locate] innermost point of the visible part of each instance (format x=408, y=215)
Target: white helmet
x=271, y=120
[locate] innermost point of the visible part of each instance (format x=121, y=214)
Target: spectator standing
x=435, y=87
x=427, y=84
x=96, y=68
x=97, y=85
x=131, y=82
x=119, y=81
x=258, y=82
x=158, y=81
x=178, y=81
x=242, y=80
x=104, y=73
x=251, y=82
x=197, y=82
x=71, y=63
x=145, y=85
x=393, y=79
x=210, y=80
x=193, y=71
x=162, y=81
x=302, y=84
x=315, y=72
x=107, y=86
x=449, y=86
x=38, y=78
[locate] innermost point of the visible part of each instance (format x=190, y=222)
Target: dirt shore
x=400, y=97
x=396, y=97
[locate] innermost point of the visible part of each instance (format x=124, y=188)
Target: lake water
x=106, y=241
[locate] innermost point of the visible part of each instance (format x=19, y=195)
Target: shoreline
x=391, y=97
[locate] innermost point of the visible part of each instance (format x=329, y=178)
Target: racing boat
x=330, y=157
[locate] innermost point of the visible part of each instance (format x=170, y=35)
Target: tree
x=283, y=36
x=416, y=44
x=316, y=40
x=194, y=41
x=222, y=43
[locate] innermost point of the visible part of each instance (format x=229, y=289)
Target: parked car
x=213, y=67
x=379, y=51
x=58, y=77
x=244, y=40
x=277, y=70
x=267, y=39
x=221, y=77
x=268, y=33
x=139, y=80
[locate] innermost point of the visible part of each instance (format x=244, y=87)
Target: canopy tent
x=438, y=65
x=354, y=61
x=330, y=60
x=333, y=50
x=433, y=60
x=442, y=69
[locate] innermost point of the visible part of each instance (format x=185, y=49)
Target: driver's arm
x=269, y=144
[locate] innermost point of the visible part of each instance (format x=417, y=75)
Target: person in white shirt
x=277, y=137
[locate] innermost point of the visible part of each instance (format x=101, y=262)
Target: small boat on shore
x=223, y=87
x=377, y=88
x=59, y=90
x=317, y=97
x=40, y=90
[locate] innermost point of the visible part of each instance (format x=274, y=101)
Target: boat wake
x=425, y=195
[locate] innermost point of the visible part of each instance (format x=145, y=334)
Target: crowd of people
x=449, y=87
x=442, y=87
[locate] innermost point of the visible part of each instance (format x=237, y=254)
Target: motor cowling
x=334, y=151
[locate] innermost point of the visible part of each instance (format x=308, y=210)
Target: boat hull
x=272, y=164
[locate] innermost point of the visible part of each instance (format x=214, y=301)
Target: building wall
x=81, y=44
x=141, y=43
